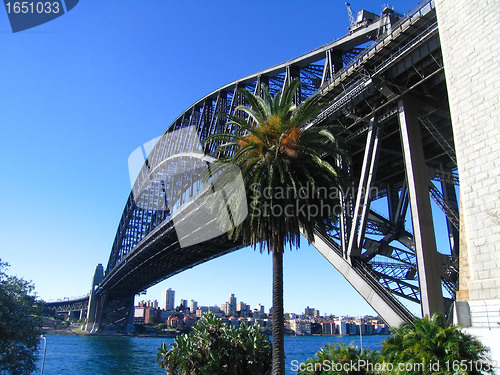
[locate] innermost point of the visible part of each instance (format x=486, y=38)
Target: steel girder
x=389, y=239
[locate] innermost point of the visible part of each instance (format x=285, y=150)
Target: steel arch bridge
x=384, y=82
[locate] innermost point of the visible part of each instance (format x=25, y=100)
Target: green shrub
x=438, y=347
x=214, y=348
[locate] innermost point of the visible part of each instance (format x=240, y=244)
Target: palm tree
x=291, y=176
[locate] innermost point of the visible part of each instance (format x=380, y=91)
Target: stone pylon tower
x=470, y=44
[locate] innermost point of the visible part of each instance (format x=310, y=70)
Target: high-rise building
x=168, y=300
x=193, y=305
x=232, y=305
x=184, y=304
x=260, y=308
x=309, y=311
x=225, y=308
x=243, y=309
x=242, y=306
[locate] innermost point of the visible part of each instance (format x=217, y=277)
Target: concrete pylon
x=471, y=56
x=91, y=311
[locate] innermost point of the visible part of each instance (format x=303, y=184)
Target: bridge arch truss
x=385, y=84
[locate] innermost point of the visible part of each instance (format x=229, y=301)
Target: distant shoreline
x=70, y=332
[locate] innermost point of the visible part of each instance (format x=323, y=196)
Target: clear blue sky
x=80, y=93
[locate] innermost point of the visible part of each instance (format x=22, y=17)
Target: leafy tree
x=432, y=341
x=291, y=177
x=161, y=326
x=20, y=324
x=215, y=348
x=154, y=319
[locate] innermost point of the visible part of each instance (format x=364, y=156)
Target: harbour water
x=122, y=355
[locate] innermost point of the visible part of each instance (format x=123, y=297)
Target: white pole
x=360, y=334
x=44, y=351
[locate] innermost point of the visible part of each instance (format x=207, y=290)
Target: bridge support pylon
x=428, y=259
x=98, y=276
x=113, y=313
x=108, y=312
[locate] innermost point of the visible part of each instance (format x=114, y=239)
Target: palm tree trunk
x=278, y=318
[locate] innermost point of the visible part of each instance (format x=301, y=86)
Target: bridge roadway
x=384, y=82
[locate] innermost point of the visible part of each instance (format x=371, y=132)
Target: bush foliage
x=20, y=325
x=215, y=348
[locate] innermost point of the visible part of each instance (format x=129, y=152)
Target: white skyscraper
x=168, y=300
x=193, y=306
x=232, y=305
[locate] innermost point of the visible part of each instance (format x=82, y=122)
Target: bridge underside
x=391, y=98
x=157, y=257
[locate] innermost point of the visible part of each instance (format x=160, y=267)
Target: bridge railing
x=68, y=299
x=396, y=29
x=364, y=81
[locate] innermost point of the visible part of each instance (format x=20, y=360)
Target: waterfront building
x=139, y=315
x=152, y=315
x=301, y=327
x=145, y=315
x=341, y=327
x=352, y=328
x=328, y=328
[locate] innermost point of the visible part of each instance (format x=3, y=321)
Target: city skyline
x=306, y=310
x=73, y=115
